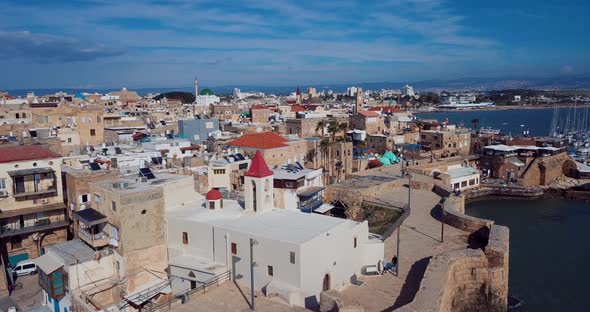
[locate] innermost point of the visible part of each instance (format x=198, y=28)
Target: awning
x=24, y=172
x=48, y=263
x=310, y=191
x=324, y=208
x=90, y=217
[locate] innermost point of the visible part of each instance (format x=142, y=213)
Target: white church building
x=297, y=255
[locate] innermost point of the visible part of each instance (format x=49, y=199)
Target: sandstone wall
x=466, y=280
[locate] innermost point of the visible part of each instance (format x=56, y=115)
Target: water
x=549, y=250
x=536, y=121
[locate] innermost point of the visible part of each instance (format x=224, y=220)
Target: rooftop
x=277, y=224
x=264, y=140
x=459, y=171
x=25, y=152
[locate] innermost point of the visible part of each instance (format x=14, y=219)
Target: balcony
x=94, y=240
x=17, y=224
x=33, y=183
x=93, y=228
x=310, y=199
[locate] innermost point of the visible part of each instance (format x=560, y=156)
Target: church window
x=185, y=238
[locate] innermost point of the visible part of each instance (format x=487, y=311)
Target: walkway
x=420, y=240
x=228, y=297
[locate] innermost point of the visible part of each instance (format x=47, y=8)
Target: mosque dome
x=213, y=195
x=206, y=92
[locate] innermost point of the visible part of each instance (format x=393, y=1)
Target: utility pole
x=253, y=242
x=442, y=221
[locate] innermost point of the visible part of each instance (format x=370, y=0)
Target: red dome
x=213, y=195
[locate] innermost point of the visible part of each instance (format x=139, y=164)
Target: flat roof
x=72, y=251
x=460, y=171
x=277, y=224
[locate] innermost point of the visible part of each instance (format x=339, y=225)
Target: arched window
x=254, y=195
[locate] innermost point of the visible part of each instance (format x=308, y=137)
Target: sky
x=157, y=43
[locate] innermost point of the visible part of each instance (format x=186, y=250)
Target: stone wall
x=467, y=279
x=544, y=170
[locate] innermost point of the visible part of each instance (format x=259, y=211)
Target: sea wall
x=470, y=279
x=466, y=280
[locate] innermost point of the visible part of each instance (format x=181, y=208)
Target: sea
x=549, y=250
x=514, y=121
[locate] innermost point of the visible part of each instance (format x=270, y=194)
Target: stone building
x=33, y=213
x=525, y=165
x=126, y=216
x=260, y=114
x=369, y=121
x=446, y=142
x=303, y=127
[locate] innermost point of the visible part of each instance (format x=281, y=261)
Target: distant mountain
x=473, y=84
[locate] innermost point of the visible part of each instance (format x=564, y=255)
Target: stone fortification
x=466, y=280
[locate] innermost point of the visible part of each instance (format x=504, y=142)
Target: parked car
x=25, y=267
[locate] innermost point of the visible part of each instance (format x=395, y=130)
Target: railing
x=184, y=297
x=96, y=240
x=504, y=191
x=310, y=205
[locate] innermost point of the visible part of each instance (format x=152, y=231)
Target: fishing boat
x=489, y=130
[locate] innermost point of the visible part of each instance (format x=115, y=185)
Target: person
x=394, y=261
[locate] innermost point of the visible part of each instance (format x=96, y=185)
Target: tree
x=321, y=126
x=475, y=123
x=211, y=110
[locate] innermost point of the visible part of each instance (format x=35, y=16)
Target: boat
x=488, y=130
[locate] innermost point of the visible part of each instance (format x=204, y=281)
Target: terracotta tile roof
x=297, y=108
x=258, y=168
x=291, y=102
x=214, y=195
x=369, y=114
x=264, y=140
x=25, y=152
x=258, y=106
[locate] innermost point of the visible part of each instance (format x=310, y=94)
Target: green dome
x=385, y=161
x=206, y=92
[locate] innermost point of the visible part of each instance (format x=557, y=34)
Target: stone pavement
x=419, y=240
x=228, y=297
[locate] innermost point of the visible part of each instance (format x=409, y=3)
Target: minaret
x=196, y=87
x=298, y=98
x=359, y=100
x=258, y=186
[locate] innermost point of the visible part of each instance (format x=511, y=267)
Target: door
x=37, y=182
x=19, y=184
x=326, y=282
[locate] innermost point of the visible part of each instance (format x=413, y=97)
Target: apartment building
x=33, y=213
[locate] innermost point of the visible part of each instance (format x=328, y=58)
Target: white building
x=69, y=266
x=219, y=171
x=297, y=255
x=408, y=90
x=296, y=187
x=463, y=178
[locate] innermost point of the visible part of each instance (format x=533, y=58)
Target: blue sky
x=157, y=43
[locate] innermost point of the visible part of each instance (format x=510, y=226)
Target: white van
x=25, y=267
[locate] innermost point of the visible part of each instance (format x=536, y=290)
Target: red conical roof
x=258, y=168
x=214, y=194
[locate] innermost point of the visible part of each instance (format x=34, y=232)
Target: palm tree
x=334, y=127
x=475, y=122
x=325, y=145
x=321, y=126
